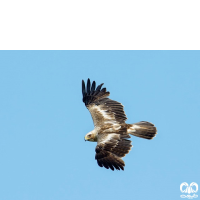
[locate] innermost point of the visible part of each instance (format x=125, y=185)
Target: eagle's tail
x=142, y=129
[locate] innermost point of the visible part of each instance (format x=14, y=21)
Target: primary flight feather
x=110, y=130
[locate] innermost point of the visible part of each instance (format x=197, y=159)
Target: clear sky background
x=43, y=121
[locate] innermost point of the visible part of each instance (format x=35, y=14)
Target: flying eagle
x=110, y=130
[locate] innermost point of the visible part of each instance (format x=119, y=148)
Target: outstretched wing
x=103, y=110
x=110, y=149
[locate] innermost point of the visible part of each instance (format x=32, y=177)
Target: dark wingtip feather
x=116, y=166
x=83, y=87
x=91, y=93
x=93, y=86
x=88, y=86
x=99, y=163
x=99, y=87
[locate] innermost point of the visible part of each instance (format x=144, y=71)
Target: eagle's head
x=91, y=136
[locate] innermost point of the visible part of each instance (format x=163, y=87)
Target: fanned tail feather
x=142, y=129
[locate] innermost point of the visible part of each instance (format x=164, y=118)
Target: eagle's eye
x=89, y=135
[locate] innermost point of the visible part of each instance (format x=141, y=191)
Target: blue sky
x=43, y=154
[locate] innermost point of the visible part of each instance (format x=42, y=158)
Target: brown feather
x=110, y=149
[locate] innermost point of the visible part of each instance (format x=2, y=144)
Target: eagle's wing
x=103, y=110
x=110, y=149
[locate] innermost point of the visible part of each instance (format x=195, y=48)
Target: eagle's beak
x=85, y=139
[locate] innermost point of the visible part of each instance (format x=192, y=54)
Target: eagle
x=110, y=130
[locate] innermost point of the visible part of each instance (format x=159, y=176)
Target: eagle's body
x=111, y=132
